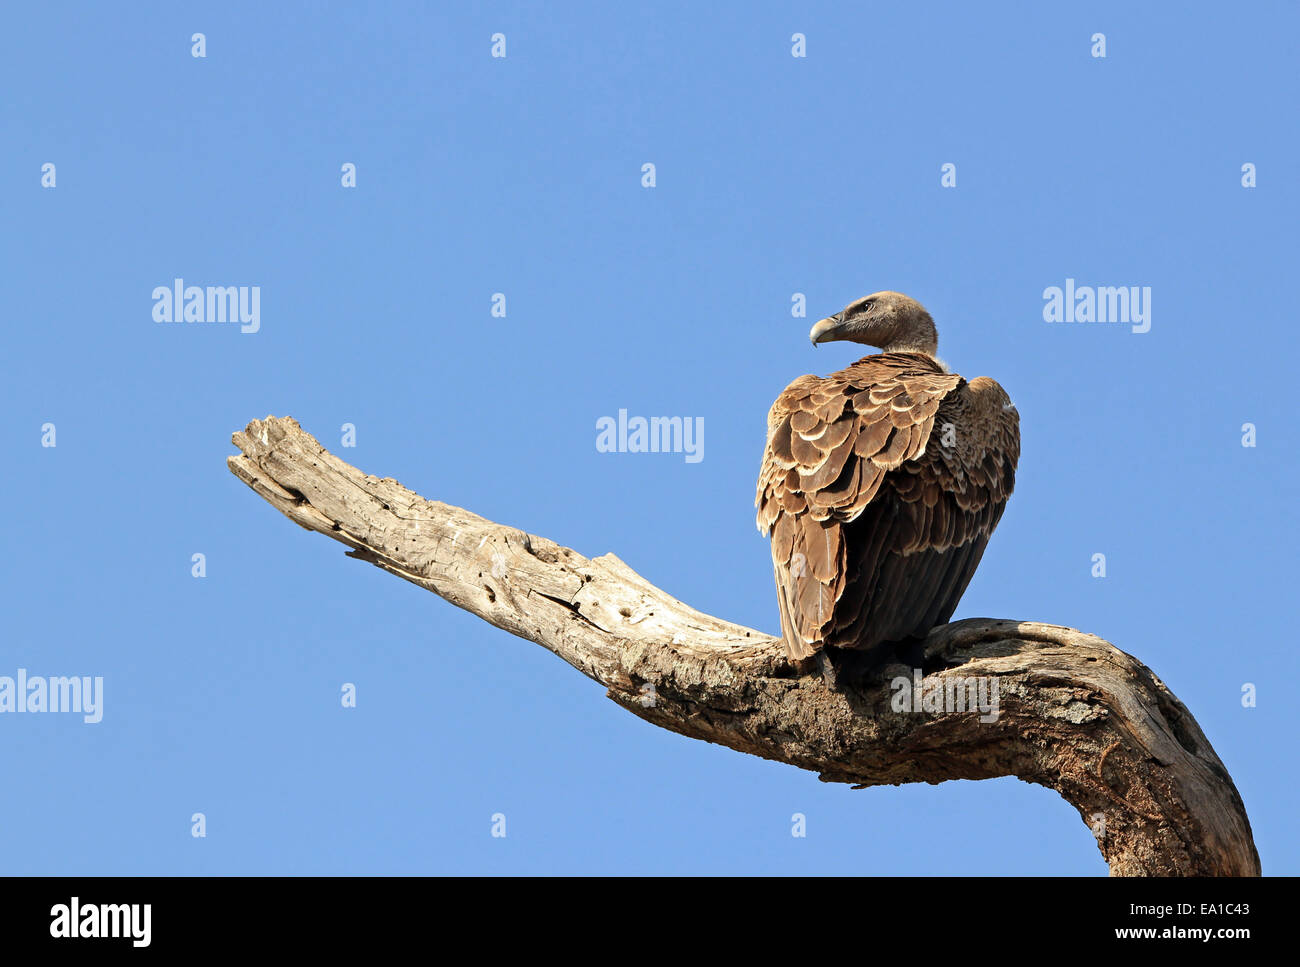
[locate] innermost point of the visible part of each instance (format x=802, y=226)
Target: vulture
x=881, y=485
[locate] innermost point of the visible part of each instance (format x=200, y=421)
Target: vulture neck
x=916, y=335
x=908, y=346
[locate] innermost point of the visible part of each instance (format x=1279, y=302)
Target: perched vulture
x=881, y=484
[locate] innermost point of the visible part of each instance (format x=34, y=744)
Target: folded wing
x=879, y=487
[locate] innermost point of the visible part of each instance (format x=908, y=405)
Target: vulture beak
x=824, y=331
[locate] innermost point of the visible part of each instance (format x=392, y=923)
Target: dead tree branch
x=1075, y=713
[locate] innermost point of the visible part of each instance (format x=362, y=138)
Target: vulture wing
x=877, y=519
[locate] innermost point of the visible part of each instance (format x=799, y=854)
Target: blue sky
x=475, y=175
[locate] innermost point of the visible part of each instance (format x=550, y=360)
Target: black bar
x=333, y=915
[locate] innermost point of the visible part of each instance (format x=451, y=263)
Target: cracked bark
x=1076, y=714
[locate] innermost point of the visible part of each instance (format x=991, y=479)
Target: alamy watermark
x=1124, y=304
x=946, y=694
x=112, y=921
x=658, y=434
x=36, y=693
x=214, y=303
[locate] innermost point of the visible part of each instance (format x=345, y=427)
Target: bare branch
x=1073, y=712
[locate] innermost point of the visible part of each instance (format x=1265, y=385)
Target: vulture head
x=890, y=321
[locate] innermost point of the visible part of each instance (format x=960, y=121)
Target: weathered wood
x=1074, y=713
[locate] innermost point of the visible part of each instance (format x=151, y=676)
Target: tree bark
x=1074, y=713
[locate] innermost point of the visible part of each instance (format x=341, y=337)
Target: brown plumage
x=881, y=484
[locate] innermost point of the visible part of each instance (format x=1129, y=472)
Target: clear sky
x=522, y=175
